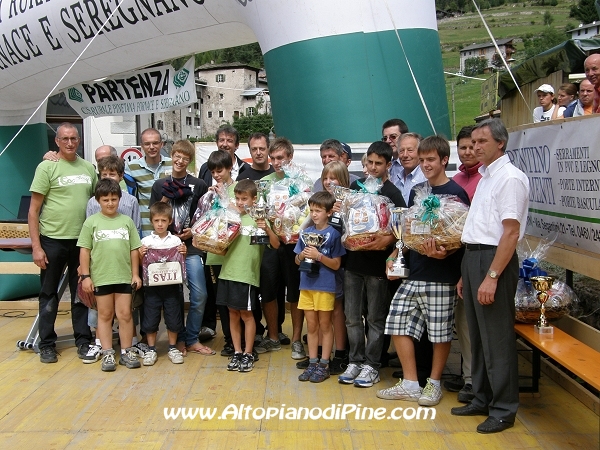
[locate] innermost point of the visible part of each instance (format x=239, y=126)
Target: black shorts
x=236, y=295
x=270, y=275
x=168, y=299
x=292, y=274
x=123, y=288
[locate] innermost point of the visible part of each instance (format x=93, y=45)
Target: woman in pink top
x=469, y=175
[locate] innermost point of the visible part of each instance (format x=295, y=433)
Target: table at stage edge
x=21, y=245
x=574, y=355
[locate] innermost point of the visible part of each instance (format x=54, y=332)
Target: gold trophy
x=542, y=285
x=340, y=194
x=399, y=268
x=259, y=211
x=312, y=240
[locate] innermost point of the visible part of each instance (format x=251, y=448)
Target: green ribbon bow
x=431, y=203
x=363, y=188
x=293, y=189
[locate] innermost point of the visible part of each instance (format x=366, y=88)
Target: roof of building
x=586, y=26
x=232, y=65
x=487, y=44
x=252, y=92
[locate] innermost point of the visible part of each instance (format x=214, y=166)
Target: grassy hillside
x=513, y=20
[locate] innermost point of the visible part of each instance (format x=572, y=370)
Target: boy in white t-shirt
x=545, y=112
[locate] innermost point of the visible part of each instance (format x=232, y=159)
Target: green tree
x=548, y=19
x=249, y=54
x=548, y=38
x=246, y=125
x=585, y=11
x=474, y=66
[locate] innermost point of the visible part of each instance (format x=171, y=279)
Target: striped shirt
x=145, y=176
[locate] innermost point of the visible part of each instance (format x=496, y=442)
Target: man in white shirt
x=490, y=271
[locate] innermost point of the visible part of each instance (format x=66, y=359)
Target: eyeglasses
x=391, y=137
x=182, y=159
x=66, y=140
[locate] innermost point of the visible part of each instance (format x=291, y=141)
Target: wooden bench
x=572, y=354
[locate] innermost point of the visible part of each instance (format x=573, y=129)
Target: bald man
x=103, y=151
x=592, y=73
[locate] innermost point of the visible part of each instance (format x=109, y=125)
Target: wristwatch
x=83, y=277
x=492, y=274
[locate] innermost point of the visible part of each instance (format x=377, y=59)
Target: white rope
x=62, y=78
x=500, y=54
x=410, y=69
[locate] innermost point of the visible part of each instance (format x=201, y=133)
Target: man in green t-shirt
x=63, y=190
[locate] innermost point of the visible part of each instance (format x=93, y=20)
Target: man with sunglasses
x=63, y=189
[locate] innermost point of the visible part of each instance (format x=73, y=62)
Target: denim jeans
x=60, y=253
x=368, y=293
x=197, y=286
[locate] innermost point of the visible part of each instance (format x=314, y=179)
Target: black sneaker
x=228, y=349
x=129, y=359
x=284, y=339
x=305, y=338
x=466, y=394
x=247, y=363
x=455, y=384
x=82, y=350
x=234, y=362
x=48, y=355
x=338, y=366
x=303, y=365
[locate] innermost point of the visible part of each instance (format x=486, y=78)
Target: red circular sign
x=129, y=154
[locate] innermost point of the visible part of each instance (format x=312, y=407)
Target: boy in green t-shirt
x=240, y=277
x=109, y=268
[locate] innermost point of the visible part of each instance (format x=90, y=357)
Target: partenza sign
x=146, y=91
x=562, y=161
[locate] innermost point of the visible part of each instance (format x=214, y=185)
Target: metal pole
x=453, y=114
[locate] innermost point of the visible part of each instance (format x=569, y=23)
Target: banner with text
x=562, y=162
x=157, y=89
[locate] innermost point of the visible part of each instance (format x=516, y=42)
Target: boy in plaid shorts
x=429, y=295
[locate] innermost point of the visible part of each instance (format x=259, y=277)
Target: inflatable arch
x=337, y=68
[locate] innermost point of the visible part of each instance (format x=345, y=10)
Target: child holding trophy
x=318, y=253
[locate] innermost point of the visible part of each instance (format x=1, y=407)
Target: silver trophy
x=399, y=268
x=340, y=193
x=312, y=240
x=259, y=211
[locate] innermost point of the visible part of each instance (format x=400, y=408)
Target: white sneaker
x=150, y=358
x=367, y=377
x=175, y=356
x=431, y=395
x=93, y=354
x=349, y=374
x=141, y=348
x=398, y=392
x=298, y=350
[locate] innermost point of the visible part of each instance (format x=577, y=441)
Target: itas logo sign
x=160, y=274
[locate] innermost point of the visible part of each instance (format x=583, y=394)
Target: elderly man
x=145, y=171
x=228, y=140
x=63, y=189
x=334, y=150
x=490, y=271
x=592, y=73
x=583, y=106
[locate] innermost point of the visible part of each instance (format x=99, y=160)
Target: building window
x=159, y=125
x=220, y=78
x=221, y=114
x=201, y=101
x=196, y=105
x=197, y=121
x=209, y=114
x=188, y=120
x=221, y=96
x=251, y=111
x=174, y=127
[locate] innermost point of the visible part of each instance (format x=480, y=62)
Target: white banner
x=157, y=89
x=562, y=161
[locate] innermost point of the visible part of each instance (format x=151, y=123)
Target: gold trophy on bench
x=543, y=284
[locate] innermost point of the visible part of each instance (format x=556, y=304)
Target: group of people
x=571, y=101
x=351, y=306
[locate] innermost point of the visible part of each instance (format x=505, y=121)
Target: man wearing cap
x=334, y=150
x=543, y=113
x=592, y=73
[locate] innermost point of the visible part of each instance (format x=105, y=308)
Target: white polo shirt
x=155, y=241
x=502, y=193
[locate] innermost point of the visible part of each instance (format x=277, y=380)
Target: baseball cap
x=347, y=149
x=546, y=88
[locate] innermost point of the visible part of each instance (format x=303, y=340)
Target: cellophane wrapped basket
x=441, y=217
x=366, y=215
x=561, y=299
x=287, y=201
x=218, y=227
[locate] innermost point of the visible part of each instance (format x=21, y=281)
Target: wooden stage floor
x=70, y=405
